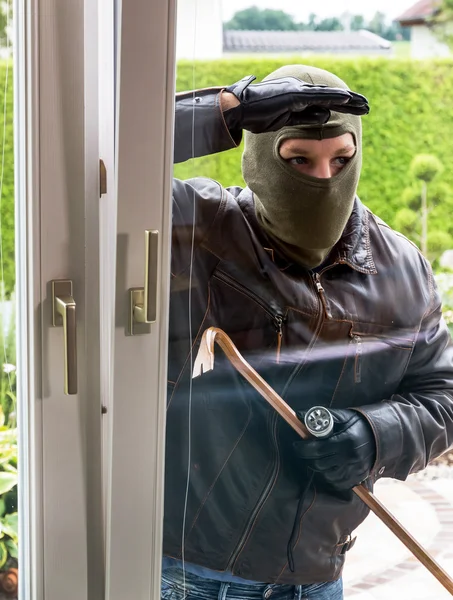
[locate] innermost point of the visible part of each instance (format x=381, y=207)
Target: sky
x=300, y=9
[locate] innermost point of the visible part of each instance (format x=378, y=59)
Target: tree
x=358, y=22
x=395, y=32
x=330, y=24
x=6, y=10
x=378, y=24
x=424, y=171
x=257, y=19
x=442, y=22
x=425, y=167
x=312, y=18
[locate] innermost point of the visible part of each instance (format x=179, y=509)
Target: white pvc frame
x=144, y=167
x=57, y=123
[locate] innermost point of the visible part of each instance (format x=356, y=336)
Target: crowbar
x=204, y=362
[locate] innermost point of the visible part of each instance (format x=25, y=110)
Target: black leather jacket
x=365, y=332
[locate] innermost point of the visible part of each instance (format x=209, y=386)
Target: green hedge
x=411, y=113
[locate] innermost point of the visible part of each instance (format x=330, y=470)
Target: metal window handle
x=64, y=315
x=143, y=301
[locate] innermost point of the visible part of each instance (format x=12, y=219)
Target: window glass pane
x=8, y=406
x=321, y=245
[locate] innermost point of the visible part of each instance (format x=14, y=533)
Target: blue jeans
x=197, y=588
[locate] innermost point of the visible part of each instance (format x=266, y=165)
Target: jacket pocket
x=250, y=321
x=380, y=361
x=376, y=361
x=325, y=529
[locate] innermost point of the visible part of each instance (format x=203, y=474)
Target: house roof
x=418, y=13
x=296, y=41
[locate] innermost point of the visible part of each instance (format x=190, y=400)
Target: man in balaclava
x=313, y=289
x=305, y=216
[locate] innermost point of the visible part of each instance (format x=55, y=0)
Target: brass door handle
x=64, y=315
x=143, y=301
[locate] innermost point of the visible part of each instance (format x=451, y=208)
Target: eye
x=299, y=160
x=342, y=160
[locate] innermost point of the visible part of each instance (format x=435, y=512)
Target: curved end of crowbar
x=204, y=361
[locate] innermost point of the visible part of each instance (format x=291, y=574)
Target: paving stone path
x=379, y=567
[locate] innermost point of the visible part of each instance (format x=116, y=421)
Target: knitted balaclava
x=305, y=216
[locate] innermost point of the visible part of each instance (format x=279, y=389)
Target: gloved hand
x=271, y=105
x=344, y=458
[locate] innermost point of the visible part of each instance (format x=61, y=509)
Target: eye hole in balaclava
x=304, y=215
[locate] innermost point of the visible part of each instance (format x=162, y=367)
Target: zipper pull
x=279, y=326
x=358, y=360
x=318, y=283
x=322, y=294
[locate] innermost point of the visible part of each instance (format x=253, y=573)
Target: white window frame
x=144, y=167
x=57, y=200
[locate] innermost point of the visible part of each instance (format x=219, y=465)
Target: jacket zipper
x=279, y=326
x=357, y=339
x=322, y=294
x=358, y=359
x=322, y=310
x=240, y=288
x=262, y=500
x=278, y=319
x=267, y=490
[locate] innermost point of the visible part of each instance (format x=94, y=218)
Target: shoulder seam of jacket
x=432, y=294
x=219, y=210
x=208, y=230
x=382, y=223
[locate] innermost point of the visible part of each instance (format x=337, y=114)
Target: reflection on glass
x=280, y=243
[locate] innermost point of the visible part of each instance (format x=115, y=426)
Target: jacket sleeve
x=415, y=425
x=200, y=128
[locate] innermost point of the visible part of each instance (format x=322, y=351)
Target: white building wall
x=425, y=45
x=199, y=29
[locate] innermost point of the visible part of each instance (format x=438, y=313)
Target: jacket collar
x=353, y=249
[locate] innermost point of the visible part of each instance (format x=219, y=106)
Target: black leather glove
x=271, y=105
x=344, y=458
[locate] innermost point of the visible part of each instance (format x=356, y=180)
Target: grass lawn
x=402, y=49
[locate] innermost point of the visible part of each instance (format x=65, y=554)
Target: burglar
x=330, y=305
